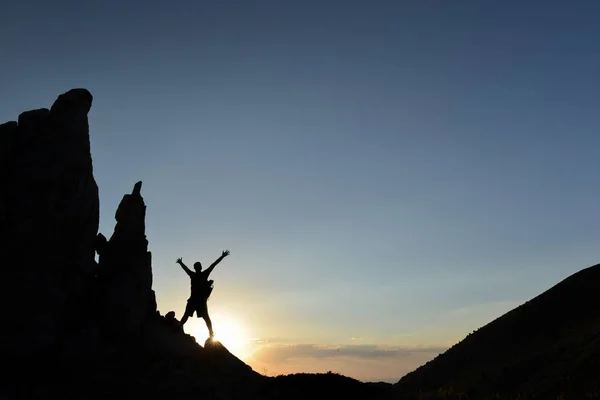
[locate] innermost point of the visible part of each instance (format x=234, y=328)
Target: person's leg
x=189, y=311
x=208, y=324
x=184, y=319
x=206, y=317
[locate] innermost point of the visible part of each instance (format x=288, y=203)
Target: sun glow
x=228, y=332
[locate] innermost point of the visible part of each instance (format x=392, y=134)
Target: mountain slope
x=547, y=346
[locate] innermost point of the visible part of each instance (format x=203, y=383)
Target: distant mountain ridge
x=547, y=346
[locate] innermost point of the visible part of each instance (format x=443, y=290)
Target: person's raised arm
x=218, y=260
x=186, y=269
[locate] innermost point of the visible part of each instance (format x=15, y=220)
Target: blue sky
x=390, y=174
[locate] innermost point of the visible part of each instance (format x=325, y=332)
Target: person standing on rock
x=201, y=289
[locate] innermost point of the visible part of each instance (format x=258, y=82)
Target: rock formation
x=62, y=300
x=49, y=214
x=126, y=300
x=74, y=327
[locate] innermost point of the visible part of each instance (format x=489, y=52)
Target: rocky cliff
x=77, y=328
x=49, y=214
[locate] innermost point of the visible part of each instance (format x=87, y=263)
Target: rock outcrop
x=49, y=214
x=126, y=300
x=62, y=303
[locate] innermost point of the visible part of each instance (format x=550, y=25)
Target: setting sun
x=228, y=331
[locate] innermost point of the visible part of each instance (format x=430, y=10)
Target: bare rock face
x=72, y=323
x=126, y=299
x=49, y=214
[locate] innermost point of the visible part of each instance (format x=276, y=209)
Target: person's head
x=198, y=266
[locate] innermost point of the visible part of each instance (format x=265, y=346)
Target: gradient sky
x=388, y=175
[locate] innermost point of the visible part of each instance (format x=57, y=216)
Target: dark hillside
x=549, y=345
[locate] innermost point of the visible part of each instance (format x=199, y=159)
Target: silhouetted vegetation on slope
x=323, y=386
x=548, y=346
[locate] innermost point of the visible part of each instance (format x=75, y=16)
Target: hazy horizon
x=389, y=176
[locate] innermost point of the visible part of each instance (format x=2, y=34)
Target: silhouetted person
x=201, y=289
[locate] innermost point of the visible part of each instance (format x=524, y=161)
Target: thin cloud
x=363, y=362
x=280, y=353
x=258, y=341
